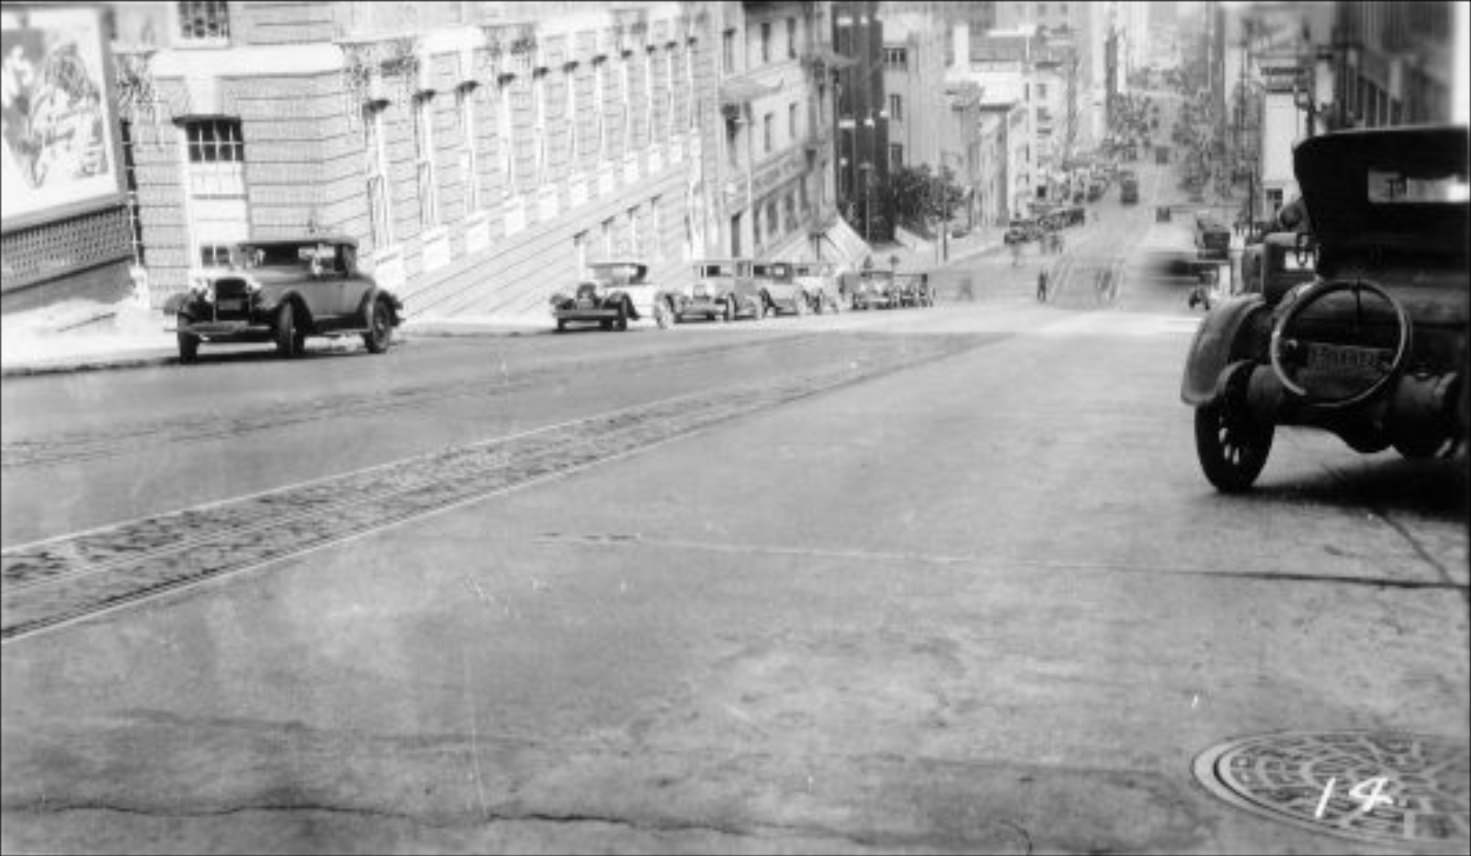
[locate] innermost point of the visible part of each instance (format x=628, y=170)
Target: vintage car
x=1374, y=347
x=1020, y=231
x=873, y=289
x=912, y=289
x=1212, y=238
x=821, y=282
x=610, y=294
x=780, y=289
x=282, y=291
x=718, y=288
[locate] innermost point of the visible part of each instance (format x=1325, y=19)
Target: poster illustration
x=56, y=143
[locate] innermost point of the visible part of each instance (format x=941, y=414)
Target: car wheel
x=561, y=325
x=188, y=347
x=380, y=327
x=1232, y=446
x=664, y=315
x=288, y=343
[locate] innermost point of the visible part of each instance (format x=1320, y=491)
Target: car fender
x=1215, y=346
x=302, y=310
x=617, y=298
x=373, y=294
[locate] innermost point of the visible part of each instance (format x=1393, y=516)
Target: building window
x=216, y=157
x=896, y=58
x=791, y=38
x=689, y=79
x=727, y=52
x=469, y=159
x=768, y=124
x=766, y=41
x=896, y=108
x=503, y=145
x=204, y=22
x=656, y=235
x=792, y=122
x=579, y=252
x=669, y=93
x=599, y=107
x=375, y=151
x=214, y=255
x=625, y=81
x=1041, y=11
x=896, y=156
x=649, y=97
x=539, y=128
x=732, y=142
x=635, y=242
x=773, y=225
x=569, y=80
x=1041, y=92
x=605, y=233
x=424, y=161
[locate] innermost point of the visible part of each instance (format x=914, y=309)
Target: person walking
x=1042, y=286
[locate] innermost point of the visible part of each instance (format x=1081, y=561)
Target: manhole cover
x=1409, y=790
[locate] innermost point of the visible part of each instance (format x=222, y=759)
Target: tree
x=916, y=196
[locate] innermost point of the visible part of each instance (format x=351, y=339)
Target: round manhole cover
x=1408, y=790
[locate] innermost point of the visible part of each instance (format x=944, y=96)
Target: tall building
x=482, y=154
x=862, y=116
x=914, y=82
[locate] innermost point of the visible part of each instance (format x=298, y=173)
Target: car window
x=1394, y=187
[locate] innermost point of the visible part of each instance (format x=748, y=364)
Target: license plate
x=231, y=305
x=1346, y=357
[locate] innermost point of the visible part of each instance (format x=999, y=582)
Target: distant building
x=481, y=153
x=863, y=120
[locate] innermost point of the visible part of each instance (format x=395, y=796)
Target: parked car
x=912, y=289
x=1022, y=230
x=284, y=291
x=780, y=289
x=718, y=288
x=820, y=281
x=611, y=294
x=1374, y=347
x=874, y=289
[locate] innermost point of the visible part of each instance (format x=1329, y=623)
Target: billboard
x=57, y=141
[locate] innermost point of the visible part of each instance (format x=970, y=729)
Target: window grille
x=216, y=152
x=135, y=218
x=204, y=21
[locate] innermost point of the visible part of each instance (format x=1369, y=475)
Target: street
x=923, y=580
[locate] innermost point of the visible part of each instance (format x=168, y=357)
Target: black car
x=1373, y=348
x=282, y=291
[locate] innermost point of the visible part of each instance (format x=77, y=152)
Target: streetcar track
x=67, y=578
x=91, y=445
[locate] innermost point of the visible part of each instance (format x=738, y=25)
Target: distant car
x=780, y=289
x=1022, y=230
x=611, y=294
x=283, y=291
x=912, y=289
x=1374, y=347
x=820, y=281
x=874, y=289
x=1212, y=239
x=718, y=288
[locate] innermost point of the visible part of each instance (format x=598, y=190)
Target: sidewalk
x=80, y=335
x=979, y=241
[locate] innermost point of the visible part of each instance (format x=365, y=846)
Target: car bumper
x=696, y=305
x=585, y=313
x=227, y=331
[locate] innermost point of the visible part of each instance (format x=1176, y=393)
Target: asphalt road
x=943, y=580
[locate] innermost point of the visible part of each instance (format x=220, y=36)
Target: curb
x=101, y=362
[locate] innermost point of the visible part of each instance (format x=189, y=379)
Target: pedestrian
x=1042, y=286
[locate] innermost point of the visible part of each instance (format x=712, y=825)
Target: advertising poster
x=56, y=145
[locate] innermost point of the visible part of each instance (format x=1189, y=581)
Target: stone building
x=862, y=117
x=481, y=153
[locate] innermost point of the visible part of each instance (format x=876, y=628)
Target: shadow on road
x=1435, y=488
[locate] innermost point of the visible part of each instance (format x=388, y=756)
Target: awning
x=737, y=91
